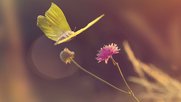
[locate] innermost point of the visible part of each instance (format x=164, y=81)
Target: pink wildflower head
x=106, y=52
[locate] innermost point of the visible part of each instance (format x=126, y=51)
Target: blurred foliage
x=159, y=86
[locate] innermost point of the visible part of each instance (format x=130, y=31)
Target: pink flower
x=106, y=52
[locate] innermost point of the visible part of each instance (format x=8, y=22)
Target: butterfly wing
x=88, y=25
x=54, y=23
x=79, y=31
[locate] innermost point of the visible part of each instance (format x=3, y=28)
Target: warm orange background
x=30, y=68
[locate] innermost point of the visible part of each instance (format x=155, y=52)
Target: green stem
x=100, y=79
x=121, y=73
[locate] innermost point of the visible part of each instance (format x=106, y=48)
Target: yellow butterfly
x=56, y=27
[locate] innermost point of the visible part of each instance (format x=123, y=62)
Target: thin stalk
x=98, y=78
x=121, y=73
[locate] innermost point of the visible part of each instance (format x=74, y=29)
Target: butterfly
x=55, y=26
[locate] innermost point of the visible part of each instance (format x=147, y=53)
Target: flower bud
x=66, y=55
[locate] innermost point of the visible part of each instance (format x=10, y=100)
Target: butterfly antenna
x=75, y=29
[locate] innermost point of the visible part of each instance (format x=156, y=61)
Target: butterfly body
x=55, y=26
x=64, y=35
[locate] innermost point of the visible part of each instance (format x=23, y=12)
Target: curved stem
x=121, y=73
x=100, y=79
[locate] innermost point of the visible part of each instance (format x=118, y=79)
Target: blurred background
x=30, y=68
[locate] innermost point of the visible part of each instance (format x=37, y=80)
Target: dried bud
x=66, y=55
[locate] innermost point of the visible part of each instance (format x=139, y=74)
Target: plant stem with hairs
x=98, y=78
x=121, y=73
